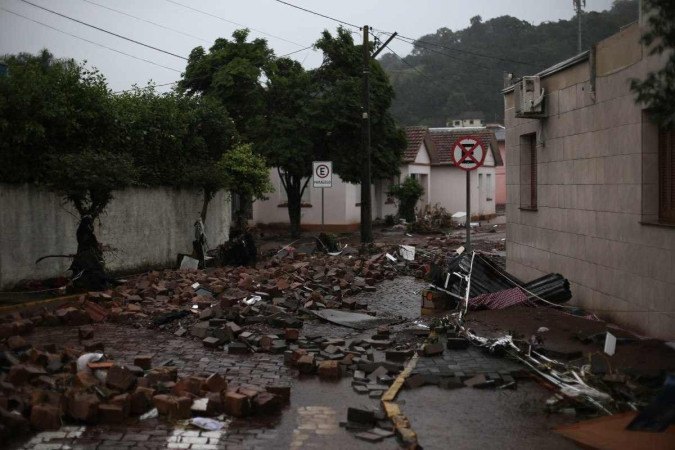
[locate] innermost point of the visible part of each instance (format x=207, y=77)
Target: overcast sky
x=286, y=29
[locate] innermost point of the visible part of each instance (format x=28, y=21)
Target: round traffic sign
x=322, y=170
x=468, y=153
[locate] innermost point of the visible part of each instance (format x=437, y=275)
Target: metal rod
x=468, y=211
x=322, y=222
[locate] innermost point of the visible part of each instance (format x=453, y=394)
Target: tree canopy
x=293, y=116
x=657, y=91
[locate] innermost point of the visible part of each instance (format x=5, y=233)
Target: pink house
x=500, y=171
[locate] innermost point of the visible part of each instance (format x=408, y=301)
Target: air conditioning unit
x=529, y=96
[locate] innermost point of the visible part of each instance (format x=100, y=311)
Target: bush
x=407, y=194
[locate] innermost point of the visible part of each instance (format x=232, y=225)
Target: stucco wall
x=500, y=177
x=340, y=205
x=145, y=226
x=595, y=163
x=448, y=189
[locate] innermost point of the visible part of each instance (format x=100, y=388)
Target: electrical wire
x=418, y=42
x=409, y=40
x=148, y=21
x=318, y=14
x=105, y=31
x=200, y=78
x=91, y=42
x=206, y=13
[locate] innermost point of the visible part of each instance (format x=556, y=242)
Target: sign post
x=322, y=177
x=468, y=153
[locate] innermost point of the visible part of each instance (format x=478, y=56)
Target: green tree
x=48, y=107
x=657, y=91
x=244, y=173
x=289, y=135
x=408, y=194
x=232, y=71
x=338, y=110
x=176, y=140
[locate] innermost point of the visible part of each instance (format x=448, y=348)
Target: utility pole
x=578, y=7
x=366, y=203
x=366, y=209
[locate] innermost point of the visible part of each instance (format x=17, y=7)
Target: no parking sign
x=468, y=153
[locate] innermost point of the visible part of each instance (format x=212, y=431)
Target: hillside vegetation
x=438, y=82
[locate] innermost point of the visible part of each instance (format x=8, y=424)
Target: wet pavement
x=442, y=418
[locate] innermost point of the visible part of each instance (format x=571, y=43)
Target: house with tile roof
x=426, y=158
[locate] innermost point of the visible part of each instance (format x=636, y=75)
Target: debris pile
x=42, y=387
x=368, y=425
x=331, y=359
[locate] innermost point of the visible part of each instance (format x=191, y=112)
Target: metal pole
x=468, y=211
x=366, y=214
x=322, y=223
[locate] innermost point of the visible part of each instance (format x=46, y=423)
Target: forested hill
x=438, y=82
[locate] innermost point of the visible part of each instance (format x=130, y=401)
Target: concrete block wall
x=145, y=227
x=596, y=195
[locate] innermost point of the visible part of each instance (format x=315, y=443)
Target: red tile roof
x=415, y=136
x=444, y=138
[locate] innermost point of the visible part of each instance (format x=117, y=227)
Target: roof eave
x=581, y=57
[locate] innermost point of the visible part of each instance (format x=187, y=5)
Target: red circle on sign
x=322, y=171
x=468, y=154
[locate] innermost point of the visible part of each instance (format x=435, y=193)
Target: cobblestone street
x=317, y=407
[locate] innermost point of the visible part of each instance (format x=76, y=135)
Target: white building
x=427, y=158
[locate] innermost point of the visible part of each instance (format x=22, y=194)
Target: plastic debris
x=152, y=414
x=206, y=423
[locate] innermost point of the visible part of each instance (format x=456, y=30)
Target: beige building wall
x=597, y=197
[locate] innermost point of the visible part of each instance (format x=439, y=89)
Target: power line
x=317, y=14
x=415, y=68
x=197, y=37
x=91, y=42
x=406, y=39
x=416, y=42
x=458, y=59
x=105, y=31
x=148, y=21
x=206, y=13
x=202, y=78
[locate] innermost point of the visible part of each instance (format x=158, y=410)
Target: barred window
x=528, y=171
x=666, y=176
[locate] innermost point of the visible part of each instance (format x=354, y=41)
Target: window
x=666, y=163
x=528, y=171
x=489, y=187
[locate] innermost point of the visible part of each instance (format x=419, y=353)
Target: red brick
x=306, y=364
x=215, y=383
x=45, y=417
x=85, y=379
x=283, y=392
x=123, y=400
x=329, y=370
x=292, y=334
x=237, y=404
x=120, y=378
x=110, y=413
x=267, y=403
x=83, y=406
x=141, y=400
x=143, y=361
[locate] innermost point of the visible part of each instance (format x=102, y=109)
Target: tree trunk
x=294, y=190
x=208, y=195
x=88, y=264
